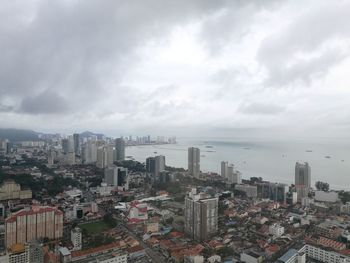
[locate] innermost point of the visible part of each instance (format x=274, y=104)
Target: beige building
x=33, y=223
x=201, y=216
x=10, y=190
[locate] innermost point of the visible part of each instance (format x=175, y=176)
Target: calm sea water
x=272, y=160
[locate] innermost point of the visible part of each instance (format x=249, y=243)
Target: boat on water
x=308, y=151
x=209, y=146
x=155, y=152
x=342, y=160
x=246, y=148
x=202, y=155
x=327, y=156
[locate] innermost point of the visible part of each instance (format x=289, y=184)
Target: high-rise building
x=233, y=177
x=102, y=157
x=33, y=223
x=71, y=144
x=64, y=144
x=110, y=154
x=120, y=149
x=155, y=165
x=89, y=152
x=302, y=179
x=116, y=176
x=111, y=176
x=224, y=166
x=273, y=191
x=76, y=238
x=150, y=165
x=50, y=157
x=201, y=216
x=194, y=162
x=76, y=139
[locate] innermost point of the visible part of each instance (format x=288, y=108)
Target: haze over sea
x=271, y=160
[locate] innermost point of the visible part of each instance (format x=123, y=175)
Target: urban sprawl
x=79, y=199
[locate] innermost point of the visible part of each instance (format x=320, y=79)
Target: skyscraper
x=89, y=152
x=116, y=176
x=224, y=166
x=120, y=149
x=201, y=216
x=65, y=146
x=194, y=162
x=102, y=157
x=233, y=177
x=111, y=176
x=76, y=139
x=155, y=165
x=302, y=179
x=150, y=165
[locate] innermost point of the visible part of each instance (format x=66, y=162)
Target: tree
x=169, y=220
x=322, y=186
x=109, y=220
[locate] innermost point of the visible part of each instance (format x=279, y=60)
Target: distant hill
x=87, y=134
x=15, y=135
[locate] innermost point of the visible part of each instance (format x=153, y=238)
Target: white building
x=102, y=157
x=233, y=177
x=18, y=253
x=224, y=166
x=76, y=238
x=214, y=259
x=103, y=190
x=330, y=197
x=322, y=255
x=194, y=259
x=251, y=257
x=89, y=152
x=276, y=230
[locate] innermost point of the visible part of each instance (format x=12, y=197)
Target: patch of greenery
x=94, y=228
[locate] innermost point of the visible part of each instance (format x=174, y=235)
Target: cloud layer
x=175, y=67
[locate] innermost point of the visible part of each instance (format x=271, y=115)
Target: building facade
x=302, y=179
x=201, y=216
x=194, y=162
x=33, y=223
x=11, y=190
x=120, y=149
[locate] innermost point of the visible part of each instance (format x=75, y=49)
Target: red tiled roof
x=33, y=210
x=331, y=243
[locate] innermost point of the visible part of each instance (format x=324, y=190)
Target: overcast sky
x=180, y=67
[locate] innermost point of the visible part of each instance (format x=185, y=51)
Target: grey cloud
x=6, y=108
x=304, y=70
x=232, y=22
x=77, y=47
x=47, y=102
x=260, y=108
x=316, y=27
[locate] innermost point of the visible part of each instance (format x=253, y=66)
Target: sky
x=186, y=67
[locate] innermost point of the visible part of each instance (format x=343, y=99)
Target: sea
x=273, y=160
